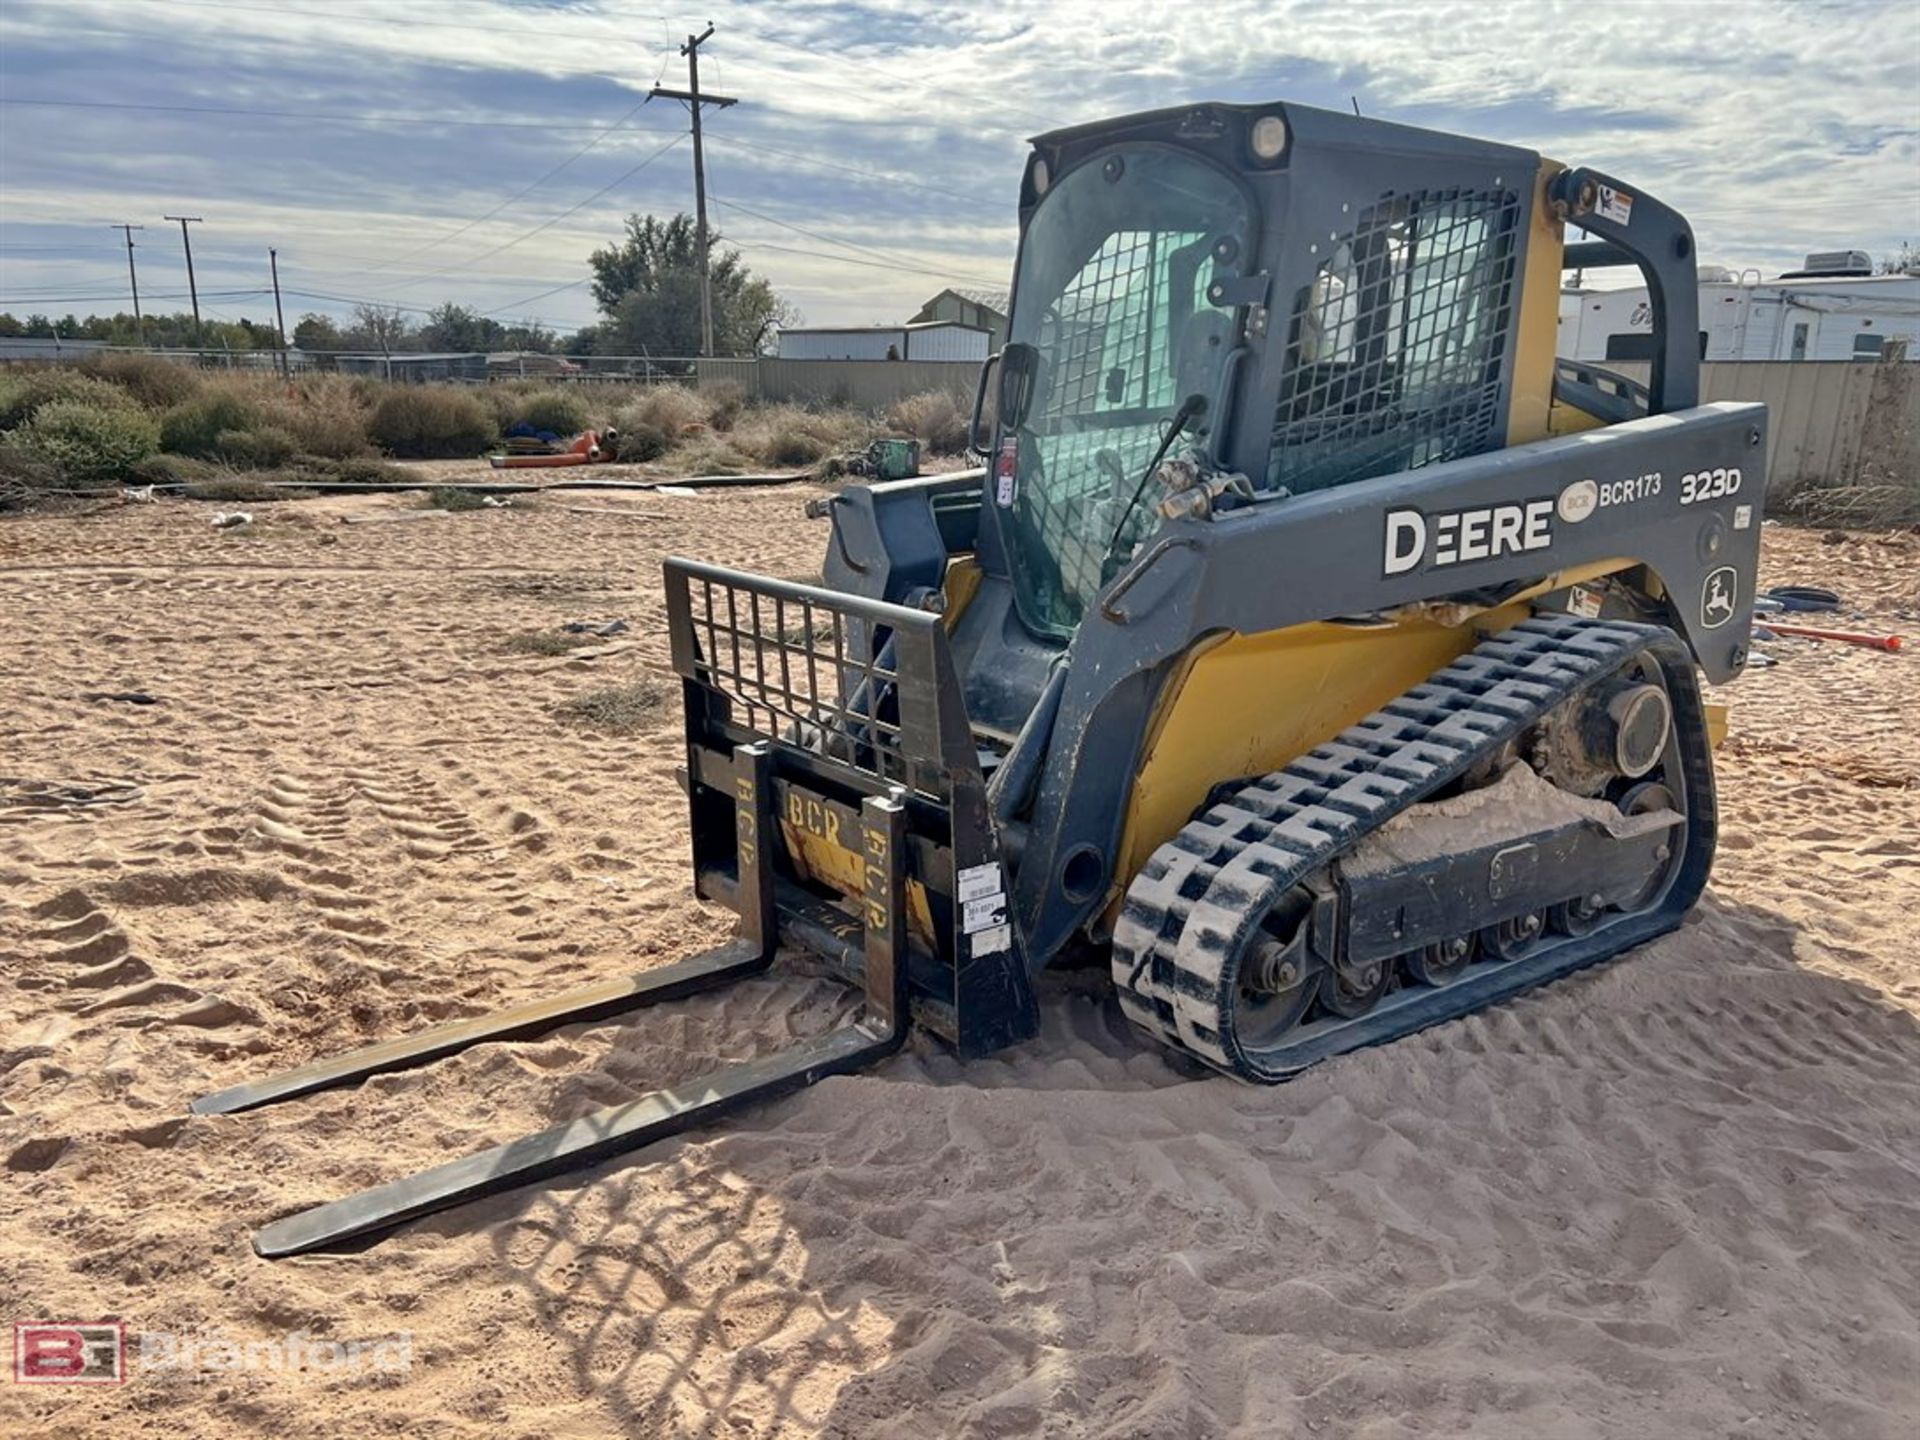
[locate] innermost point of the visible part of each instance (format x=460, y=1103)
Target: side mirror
x=986, y=407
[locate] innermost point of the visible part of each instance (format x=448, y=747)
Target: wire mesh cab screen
x=1395, y=350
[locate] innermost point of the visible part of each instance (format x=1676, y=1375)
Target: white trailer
x=1795, y=317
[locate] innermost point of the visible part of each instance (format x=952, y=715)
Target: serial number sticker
x=994, y=940
x=1615, y=205
x=979, y=880
x=1742, y=517
x=983, y=914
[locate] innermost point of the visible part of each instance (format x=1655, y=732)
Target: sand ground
x=1677, y=1196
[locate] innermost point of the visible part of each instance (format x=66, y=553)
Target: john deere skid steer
x=1315, y=650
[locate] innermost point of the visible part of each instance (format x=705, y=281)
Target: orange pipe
x=1849, y=637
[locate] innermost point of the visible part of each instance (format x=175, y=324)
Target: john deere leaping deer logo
x=1719, y=597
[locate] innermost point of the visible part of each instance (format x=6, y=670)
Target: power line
x=870, y=264
x=32, y=301
x=879, y=175
x=539, y=32
x=600, y=133
x=611, y=185
x=510, y=200
x=329, y=117
x=529, y=299
x=813, y=234
x=545, y=32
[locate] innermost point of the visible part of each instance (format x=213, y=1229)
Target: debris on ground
x=1769, y=629
x=231, y=519
x=1810, y=598
x=601, y=628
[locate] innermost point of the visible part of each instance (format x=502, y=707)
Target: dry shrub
x=563, y=412
x=263, y=448
x=149, y=380
x=672, y=408
x=615, y=709
x=166, y=469
x=788, y=435
x=24, y=392
x=432, y=422
x=325, y=415
x=934, y=418
x=25, y=475
x=91, y=444
x=643, y=440
x=724, y=399
x=198, y=426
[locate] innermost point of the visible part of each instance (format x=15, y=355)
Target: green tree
x=535, y=337
x=316, y=332
x=381, y=328
x=458, y=328
x=648, y=287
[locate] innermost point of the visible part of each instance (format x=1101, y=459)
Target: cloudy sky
x=477, y=150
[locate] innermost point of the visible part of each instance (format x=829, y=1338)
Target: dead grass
x=615, y=709
x=545, y=642
x=707, y=455
x=448, y=497
x=560, y=589
x=1856, y=507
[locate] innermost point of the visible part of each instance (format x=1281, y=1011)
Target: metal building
x=931, y=340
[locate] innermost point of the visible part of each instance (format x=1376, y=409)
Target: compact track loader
x=1314, y=649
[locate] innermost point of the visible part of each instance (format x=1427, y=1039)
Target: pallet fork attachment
x=617, y=1129
x=904, y=788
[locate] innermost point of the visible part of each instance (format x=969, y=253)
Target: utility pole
x=187, y=245
x=133, y=283
x=279, y=316
x=694, y=100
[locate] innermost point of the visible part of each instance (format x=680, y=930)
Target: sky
x=478, y=150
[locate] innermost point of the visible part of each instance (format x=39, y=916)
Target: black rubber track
x=1188, y=915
